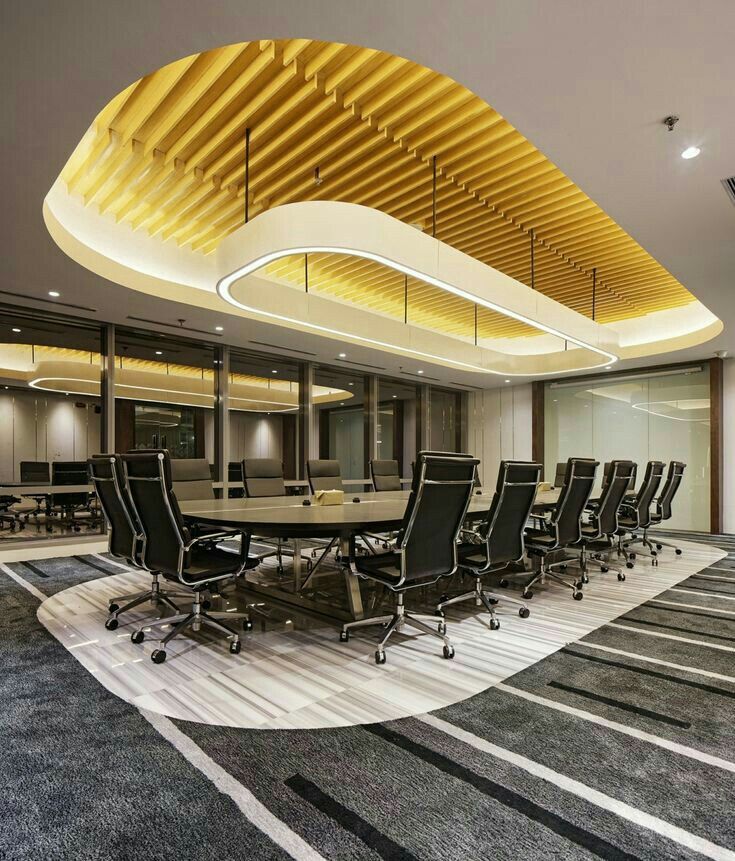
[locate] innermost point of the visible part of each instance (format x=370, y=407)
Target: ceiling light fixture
x=419, y=372
x=54, y=294
x=691, y=152
x=342, y=356
x=159, y=352
x=17, y=331
x=507, y=381
x=224, y=286
x=219, y=329
x=274, y=371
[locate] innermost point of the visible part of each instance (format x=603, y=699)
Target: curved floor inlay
x=291, y=678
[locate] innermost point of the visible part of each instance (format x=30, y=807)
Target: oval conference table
x=289, y=519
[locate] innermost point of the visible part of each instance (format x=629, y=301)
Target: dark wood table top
x=289, y=517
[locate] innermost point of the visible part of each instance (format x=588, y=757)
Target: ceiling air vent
x=729, y=186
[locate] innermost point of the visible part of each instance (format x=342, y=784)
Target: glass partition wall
x=663, y=415
x=164, y=395
x=55, y=379
x=50, y=415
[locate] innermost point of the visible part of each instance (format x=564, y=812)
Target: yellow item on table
x=329, y=497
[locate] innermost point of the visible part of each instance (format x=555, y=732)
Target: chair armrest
x=211, y=536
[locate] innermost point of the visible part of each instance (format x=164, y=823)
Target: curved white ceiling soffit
x=230, y=274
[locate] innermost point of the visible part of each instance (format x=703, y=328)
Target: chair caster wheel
x=206, y=605
x=579, y=584
x=504, y=584
x=313, y=554
x=659, y=547
x=524, y=612
x=604, y=569
x=632, y=555
x=235, y=647
x=654, y=563
x=158, y=656
x=448, y=652
x=137, y=637
x=578, y=596
x=279, y=570
x=111, y=624
x=439, y=612
x=492, y=600
x=441, y=628
x=309, y=566
x=527, y=594
x=678, y=551
x=628, y=564
x=247, y=625
x=654, y=553
x=442, y=598
x=494, y=624
x=344, y=636
x=621, y=576
x=380, y=657
x=113, y=608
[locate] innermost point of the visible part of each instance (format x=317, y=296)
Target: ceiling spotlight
x=341, y=403
x=350, y=384
x=395, y=396
x=507, y=381
x=342, y=356
x=219, y=329
x=159, y=352
x=16, y=330
x=607, y=367
x=691, y=152
x=54, y=294
x=274, y=371
x=419, y=372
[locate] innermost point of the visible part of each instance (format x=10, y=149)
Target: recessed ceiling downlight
x=691, y=152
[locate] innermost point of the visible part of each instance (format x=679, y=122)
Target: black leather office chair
x=263, y=476
x=564, y=526
x=168, y=547
x=234, y=474
x=192, y=478
x=324, y=475
x=427, y=547
x=662, y=504
x=125, y=537
x=67, y=507
x=602, y=523
x=636, y=517
x=35, y=472
x=385, y=475
x=499, y=537
x=631, y=482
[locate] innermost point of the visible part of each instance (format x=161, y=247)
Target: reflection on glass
x=263, y=410
x=397, y=411
x=51, y=416
x=340, y=420
x=662, y=416
x=444, y=420
x=164, y=395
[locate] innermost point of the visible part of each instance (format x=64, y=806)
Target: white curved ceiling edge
x=146, y=264
x=359, y=231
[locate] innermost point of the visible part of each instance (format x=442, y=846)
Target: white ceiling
x=588, y=82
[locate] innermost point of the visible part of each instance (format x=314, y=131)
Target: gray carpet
x=88, y=777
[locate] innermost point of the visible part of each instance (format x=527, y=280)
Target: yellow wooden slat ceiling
x=167, y=156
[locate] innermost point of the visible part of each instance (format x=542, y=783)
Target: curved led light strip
x=36, y=384
x=641, y=407
x=224, y=290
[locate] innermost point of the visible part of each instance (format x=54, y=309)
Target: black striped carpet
x=619, y=746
